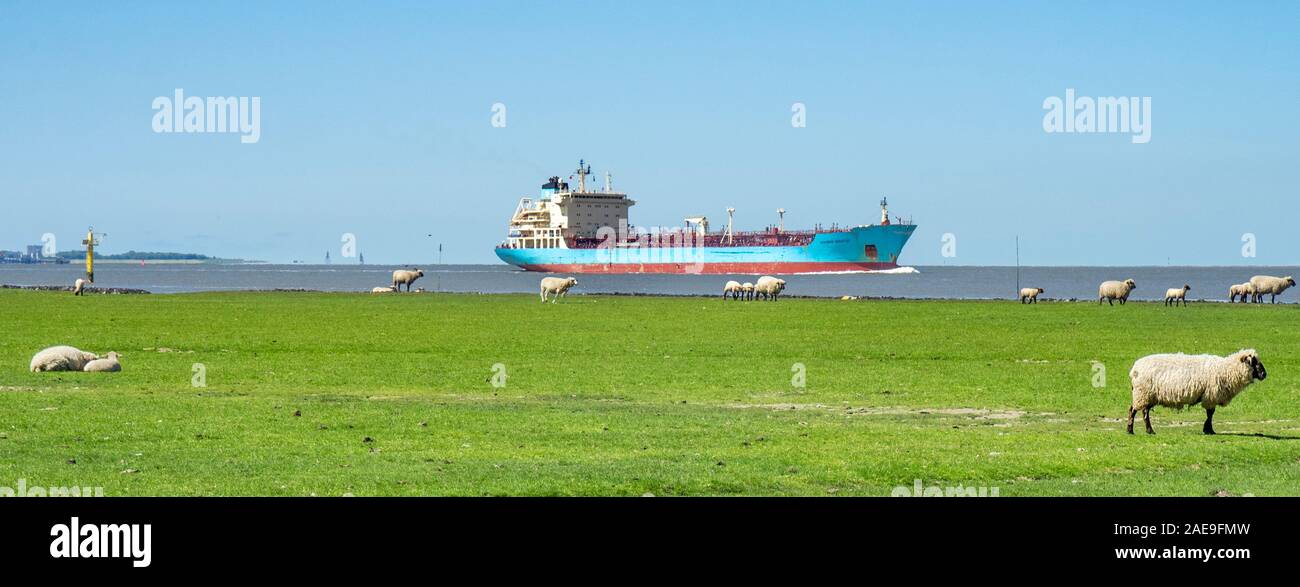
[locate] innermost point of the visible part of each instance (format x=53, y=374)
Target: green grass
x=623, y=396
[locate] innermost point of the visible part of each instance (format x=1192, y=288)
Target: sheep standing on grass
x=1266, y=284
x=402, y=276
x=108, y=364
x=61, y=358
x=79, y=287
x=1243, y=290
x=747, y=290
x=1115, y=290
x=1178, y=380
x=556, y=287
x=1176, y=295
x=732, y=288
x=1029, y=295
x=769, y=287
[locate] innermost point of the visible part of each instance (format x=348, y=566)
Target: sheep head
x=1187, y=287
x=571, y=281
x=1290, y=280
x=1251, y=358
x=1130, y=283
x=1041, y=290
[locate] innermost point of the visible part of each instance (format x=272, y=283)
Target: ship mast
x=583, y=171
x=884, y=211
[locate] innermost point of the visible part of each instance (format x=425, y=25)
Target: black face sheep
x=769, y=287
x=556, y=287
x=402, y=276
x=1176, y=295
x=1029, y=295
x=79, y=287
x=732, y=288
x=1178, y=380
x=1273, y=286
x=1115, y=290
x=61, y=358
x=747, y=290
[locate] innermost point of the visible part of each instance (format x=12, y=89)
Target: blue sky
x=375, y=120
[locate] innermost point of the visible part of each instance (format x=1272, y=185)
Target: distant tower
x=884, y=211
x=730, y=235
x=361, y=258
x=780, y=226
x=327, y=257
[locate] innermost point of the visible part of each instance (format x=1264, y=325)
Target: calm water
x=927, y=282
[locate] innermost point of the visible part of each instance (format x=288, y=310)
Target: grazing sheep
x=1115, y=290
x=1177, y=294
x=388, y=289
x=747, y=290
x=108, y=364
x=769, y=287
x=1178, y=380
x=556, y=287
x=1029, y=295
x=1265, y=284
x=61, y=358
x=732, y=288
x=1241, y=289
x=848, y=298
x=402, y=276
x=79, y=287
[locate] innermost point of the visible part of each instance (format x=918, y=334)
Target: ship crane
x=701, y=223
x=730, y=235
x=780, y=225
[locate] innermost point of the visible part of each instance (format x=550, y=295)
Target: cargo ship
x=568, y=230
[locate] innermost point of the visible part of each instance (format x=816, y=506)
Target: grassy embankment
x=330, y=394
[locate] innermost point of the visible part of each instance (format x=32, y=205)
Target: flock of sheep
x=1256, y=288
x=767, y=287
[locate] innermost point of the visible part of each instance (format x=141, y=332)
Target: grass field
x=330, y=394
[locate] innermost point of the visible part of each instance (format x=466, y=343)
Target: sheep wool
x=747, y=290
x=1115, y=290
x=1243, y=290
x=108, y=364
x=769, y=287
x=375, y=290
x=79, y=287
x=1179, y=380
x=1273, y=286
x=556, y=287
x=61, y=358
x=1029, y=295
x=403, y=276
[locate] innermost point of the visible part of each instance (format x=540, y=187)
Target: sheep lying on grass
x=769, y=287
x=402, y=276
x=1266, y=284
x=79, y=287
x=1178, y=380
x=732, y=288
x=1176, y=295
x=61, y=358
x=108, y=364
x=556, y=287
x=389, y=289
x=1115, y=290
x=1029, y=295
x=747, y=290
x=1243, y=290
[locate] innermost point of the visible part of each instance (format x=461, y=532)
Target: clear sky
x=376, y=121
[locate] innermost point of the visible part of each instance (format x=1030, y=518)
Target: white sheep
x=556, y=287
x=79, y=287
x=747, y=290
x=1029, y=295
x=61, y=358
x=732, y=288
x=769, y=287
x=1266, y=284
x=108, y=364
x=388, y=289
x=1179, y=380
x=1177, y=294
x=1115, y=290
x=1243, y=290
x=403, y=276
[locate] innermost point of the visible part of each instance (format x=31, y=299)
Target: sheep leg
x=1209, y=421
x=1132, y=411
x=1146, y=417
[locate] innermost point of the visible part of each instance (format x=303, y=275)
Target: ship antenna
x=583, y=171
